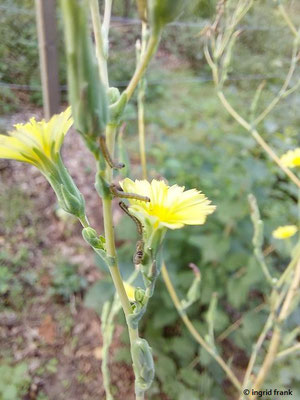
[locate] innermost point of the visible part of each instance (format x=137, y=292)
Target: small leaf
x=98, y=294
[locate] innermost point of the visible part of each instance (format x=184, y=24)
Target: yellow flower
x=291, y=159
x=130, y=290
x=285, y=232
x=37, y=142
x=172, y=207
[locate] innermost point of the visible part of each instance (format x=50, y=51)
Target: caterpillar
x=107, y=155
x=139, y=253
x=126, y=195
x=134, y=219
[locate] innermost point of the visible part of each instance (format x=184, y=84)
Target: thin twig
x=233, y=327
x=268, y=324
x=257, y=137
x=275, y=340
x=288, y=21
x=284, y=87
x=288, y=351
x=195, y=333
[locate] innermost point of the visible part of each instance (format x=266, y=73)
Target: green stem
x=286, y=273
x=107, y=329
x=140, y=70
x=109, y=312
x=141, y=125
x=84, y=222
x=110, y=243
x=141, y=108
x=99, y=40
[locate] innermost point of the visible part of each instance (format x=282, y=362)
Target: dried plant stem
x=195, y=333
x=257, y=137
x=275, y=340
x=288, y=20
x=233, y=327
x=268, y=324
x=217, y=67
x=284, y=87
x=289, y=269
x=288, y=351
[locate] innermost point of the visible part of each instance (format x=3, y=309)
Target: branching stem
x=195, y=333
x=141, y=68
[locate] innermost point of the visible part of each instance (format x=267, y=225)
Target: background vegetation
x=191, y=141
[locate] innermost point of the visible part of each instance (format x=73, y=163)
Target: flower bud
x=113, y=95
x=71, y=203
x=117, y=108
x=92, y=238
x=143, y=364
x=86, y=91
x=69, y=197
x=162, y=12
x=139, y=295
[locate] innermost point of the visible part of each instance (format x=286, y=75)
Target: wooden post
x=47, y=36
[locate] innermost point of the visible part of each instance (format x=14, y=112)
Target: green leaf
x=98, y=294
x=161, y=318
x=190, y=377
x=252, y=323
x=165, y=368
x=183, y=347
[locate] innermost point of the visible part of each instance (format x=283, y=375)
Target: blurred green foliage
x=66, y=281
x=18, y=50
x=14, y=381
x=19, y=62
x=14, y=278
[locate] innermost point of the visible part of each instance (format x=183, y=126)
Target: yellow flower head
x=291, y=159
x=285, y=232
x=36, y=142
x=130, y=290
x=172, y=207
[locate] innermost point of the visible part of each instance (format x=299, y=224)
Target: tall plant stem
x=195, y=333
x=141, y=105
x=141, y=125
x=110, y=243
x=109, y=312
x=141, y=68
x=99, y=40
